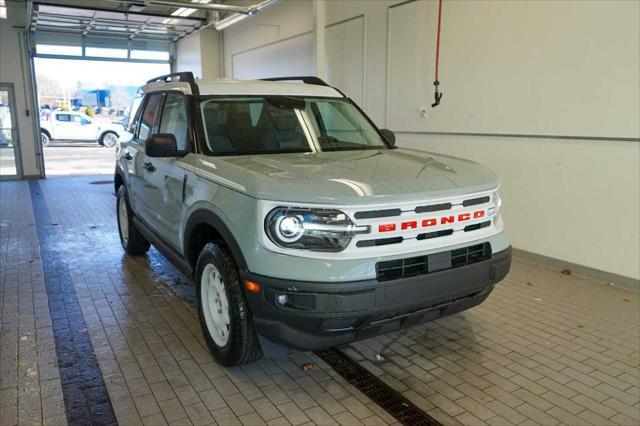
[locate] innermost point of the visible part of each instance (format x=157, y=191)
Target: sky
x=70, y=71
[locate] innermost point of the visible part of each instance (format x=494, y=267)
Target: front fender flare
x=204, y=216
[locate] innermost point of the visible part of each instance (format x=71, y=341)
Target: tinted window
x=251, y=126
x=273, y=124
x=63, y=117
x=133, y=111
x=174, y=119
x=149, y=116
x=339, y=125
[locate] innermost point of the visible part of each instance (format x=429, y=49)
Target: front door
x=10, y=164
x=165, y=179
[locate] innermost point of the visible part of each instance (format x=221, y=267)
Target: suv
x=75, y=126
x=299, y=220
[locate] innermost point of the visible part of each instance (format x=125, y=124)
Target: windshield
x=280, y=124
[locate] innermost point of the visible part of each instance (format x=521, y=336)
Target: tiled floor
x=545, y=348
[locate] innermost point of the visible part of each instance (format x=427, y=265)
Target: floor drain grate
x=385, y=396
x=101, y=182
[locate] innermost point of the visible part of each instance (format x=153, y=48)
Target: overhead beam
x=201, y=6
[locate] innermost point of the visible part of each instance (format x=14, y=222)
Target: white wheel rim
x=215, y=305
x=110, y=140
x=123, y=221
x=44, y=139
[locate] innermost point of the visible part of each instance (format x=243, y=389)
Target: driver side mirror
x=389, y=136
x=162, y=145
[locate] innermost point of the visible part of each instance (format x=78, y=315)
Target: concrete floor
x=545, y=348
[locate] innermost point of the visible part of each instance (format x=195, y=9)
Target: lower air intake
x=422, y=265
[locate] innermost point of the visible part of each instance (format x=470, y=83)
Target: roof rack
x=182, y=77
x=305, y=79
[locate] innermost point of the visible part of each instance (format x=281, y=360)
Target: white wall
x=566, y=70
x=274, y=42
x=201, y=54
x=13, y=66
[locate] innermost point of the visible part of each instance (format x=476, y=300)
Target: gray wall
x=567, y=71
x=13, y=69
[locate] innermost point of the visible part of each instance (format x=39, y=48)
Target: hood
x=348, y=177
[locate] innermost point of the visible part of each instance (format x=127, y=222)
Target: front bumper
x=319, y=315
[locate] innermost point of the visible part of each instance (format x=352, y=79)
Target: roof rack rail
x=309, y=79
x=183, y=77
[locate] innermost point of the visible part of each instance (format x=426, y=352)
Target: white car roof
x=245, y=87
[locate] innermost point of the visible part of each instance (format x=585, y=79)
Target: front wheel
x=131, y=239
x=222, y=306
x=108, y=139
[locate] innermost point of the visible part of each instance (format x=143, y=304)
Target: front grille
x=421, y=265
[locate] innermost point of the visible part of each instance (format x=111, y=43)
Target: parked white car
x=75, y=126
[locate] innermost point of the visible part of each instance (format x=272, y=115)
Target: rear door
x=165, y=179
x=62, y=125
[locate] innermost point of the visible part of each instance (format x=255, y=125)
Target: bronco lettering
x=426, y=223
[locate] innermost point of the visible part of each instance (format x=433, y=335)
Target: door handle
x=149, y=167
x=127, y=156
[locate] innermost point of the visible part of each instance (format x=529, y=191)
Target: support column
x=319, y=19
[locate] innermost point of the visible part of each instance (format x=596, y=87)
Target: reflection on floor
x=7, y=161
x=545, y=348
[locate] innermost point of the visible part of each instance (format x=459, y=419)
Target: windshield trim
x=309, y=132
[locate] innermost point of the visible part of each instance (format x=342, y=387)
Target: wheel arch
x=46, y=132
x=118, y=180
x=204, y=226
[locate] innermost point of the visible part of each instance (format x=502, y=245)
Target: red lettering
x=429, y=222
x=464, y=216
x=407, y=225
x=447, y=219
x=478, y=214
x=387, y=228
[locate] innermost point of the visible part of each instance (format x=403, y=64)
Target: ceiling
x=113, y=20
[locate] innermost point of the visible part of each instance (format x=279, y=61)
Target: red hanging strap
x=436, y=83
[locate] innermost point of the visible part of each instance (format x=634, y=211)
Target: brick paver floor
x=545, y=348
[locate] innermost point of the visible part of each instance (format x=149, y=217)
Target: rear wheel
x=130, y=238
x=108, y=139
x=44, y=139
x=224, y=313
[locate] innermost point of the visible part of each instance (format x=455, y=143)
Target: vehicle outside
x=76, y=126
x=299, y=220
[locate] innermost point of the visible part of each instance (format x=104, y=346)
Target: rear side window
x=174, y=119
x=133, y=111
x=63, y=117
x=149, y=115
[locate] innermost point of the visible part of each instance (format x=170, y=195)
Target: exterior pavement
x=545, y=348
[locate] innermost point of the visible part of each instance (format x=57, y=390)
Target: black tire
x=134, y=243
x=242, y=344
x=106, y=140
x=45, y=139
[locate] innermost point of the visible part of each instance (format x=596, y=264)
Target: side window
x=63, y=117
x=131, y=124
x=84, y=121
x=149, y=116
x=174, y=119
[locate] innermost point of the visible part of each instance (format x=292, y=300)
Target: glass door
x=10, y=165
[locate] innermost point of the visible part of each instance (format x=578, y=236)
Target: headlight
x=497, y=202
x=311, y=229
